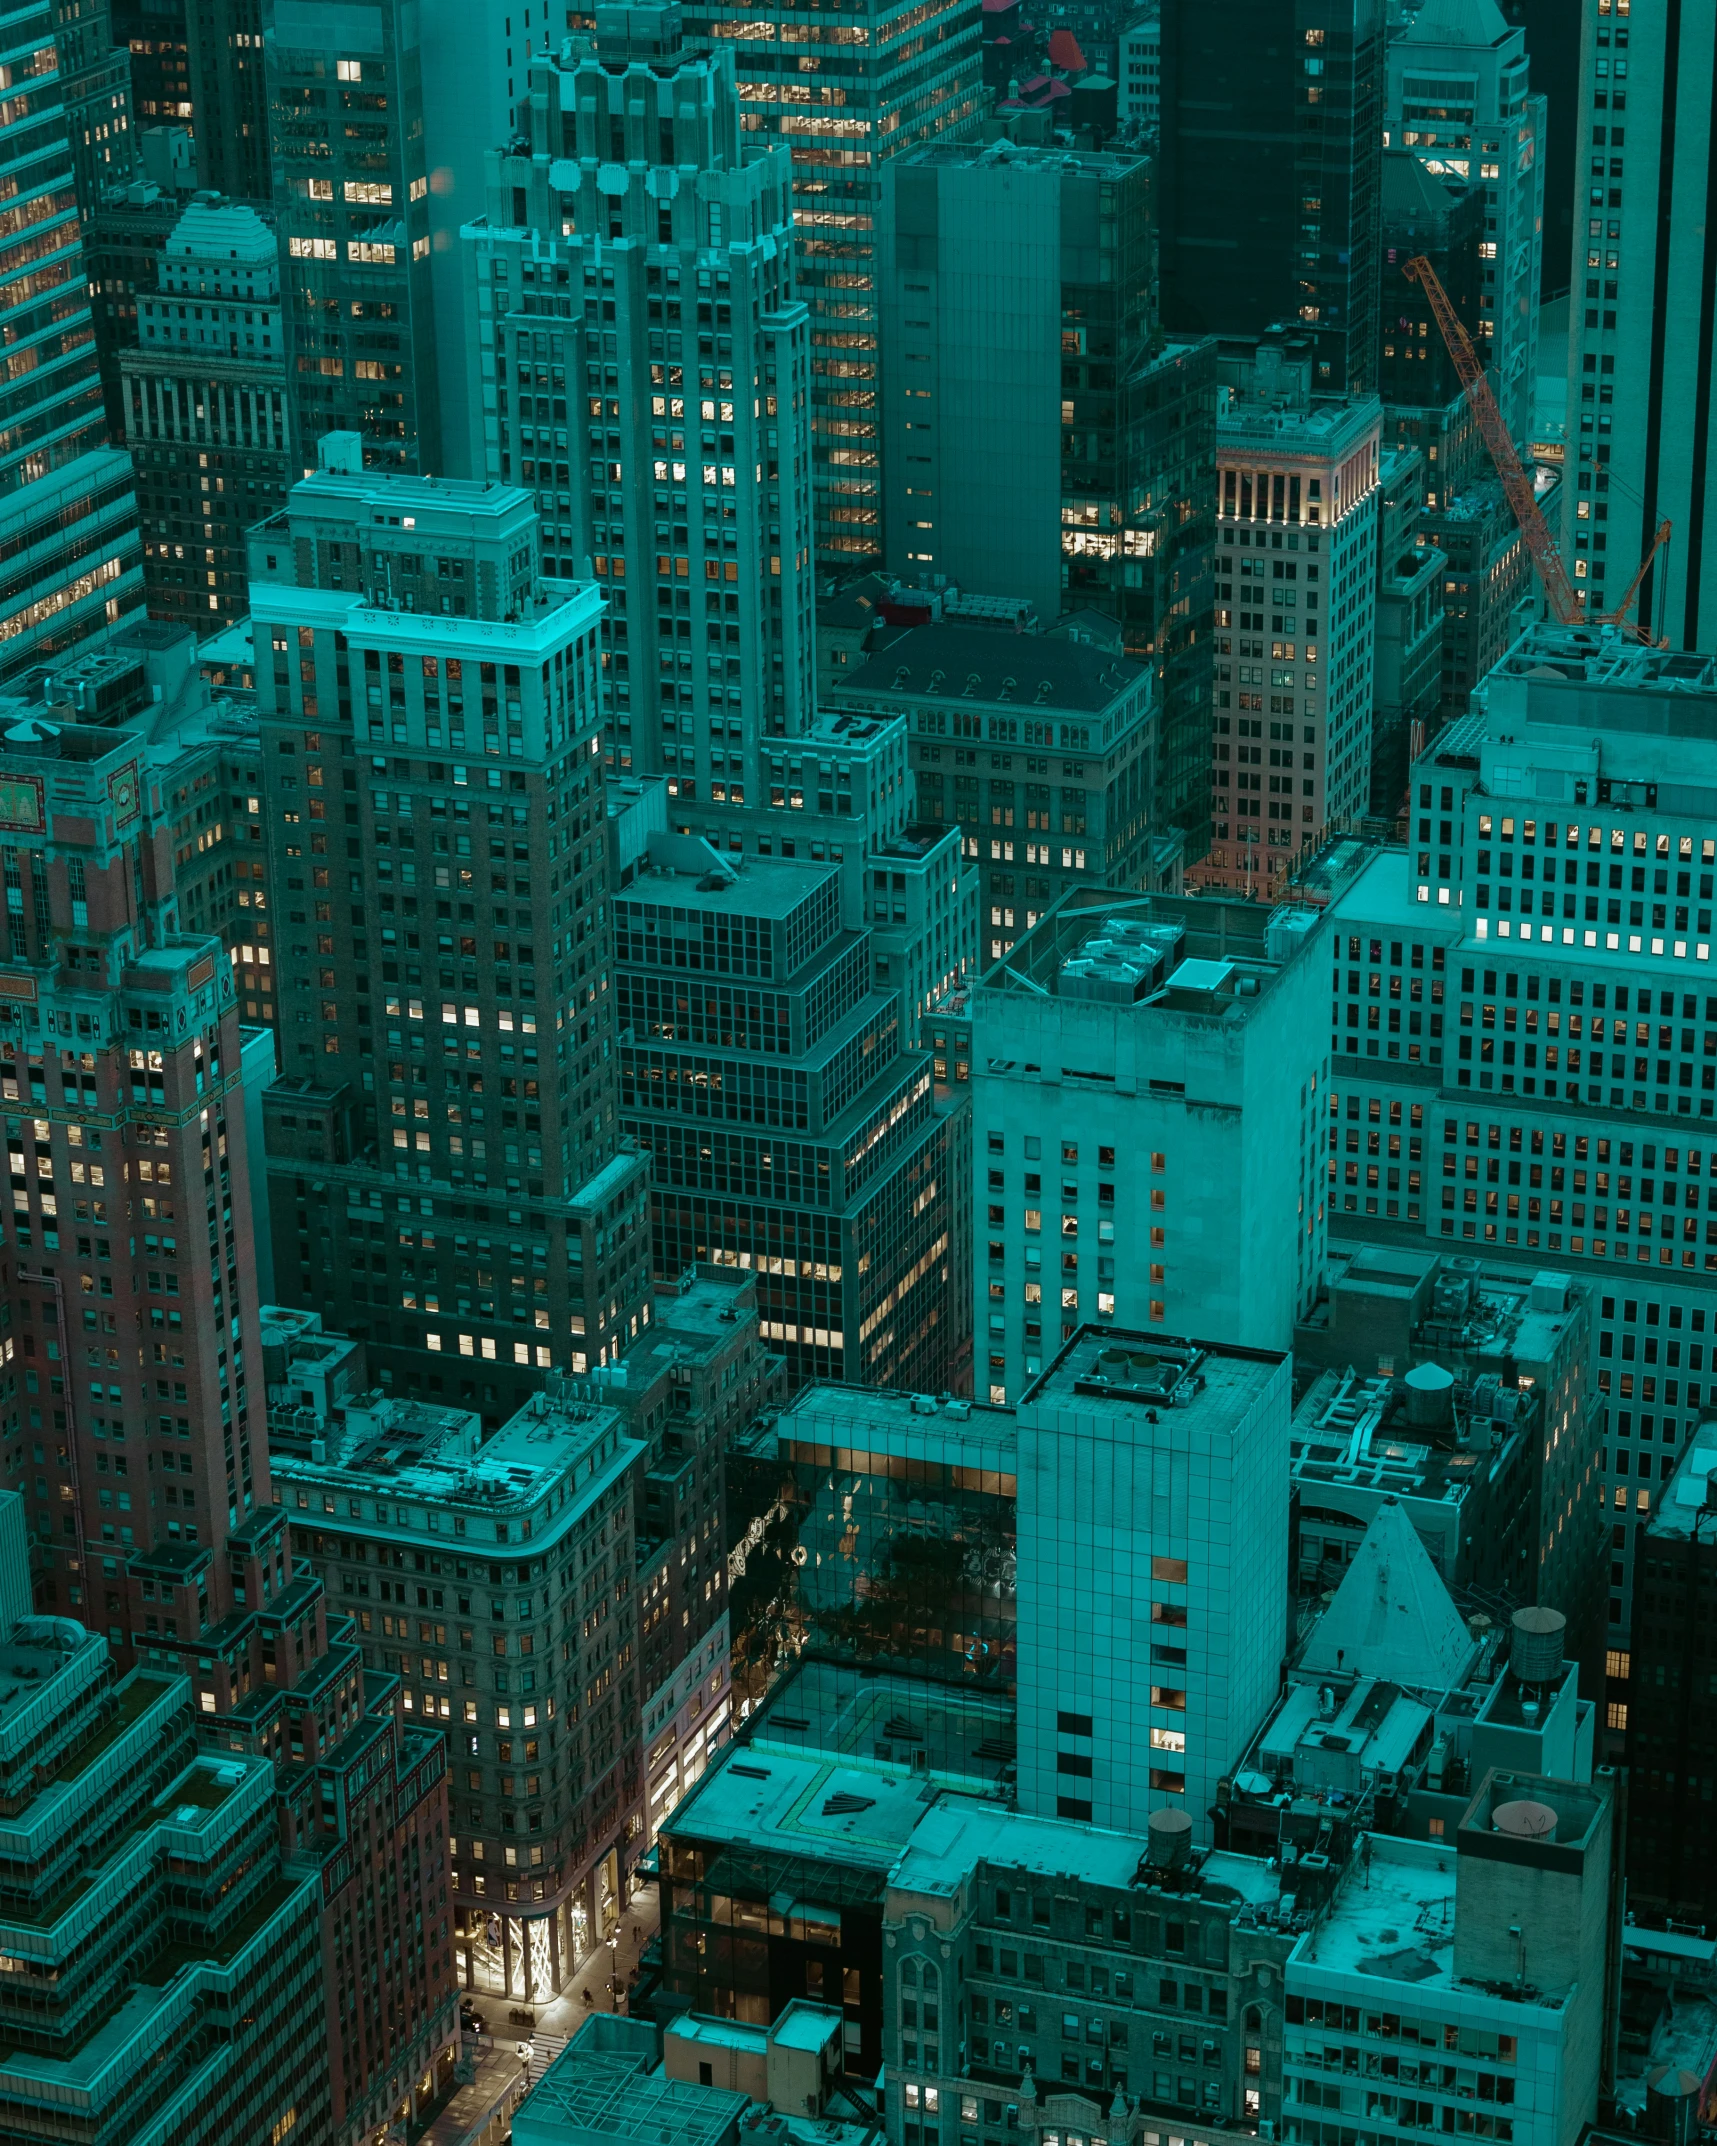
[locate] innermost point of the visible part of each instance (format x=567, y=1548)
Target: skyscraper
x=1271, y=129
x=845, y=97
x=1424, y=404
x=68, y=518
x=645, y=368
x=229, y=95
x=350, y=184
x=154, y=32
x=549, y=1781
x=1153, y=1581
x=1519, y=1029
x=1016, y=291
x=1640, y=370
x=207, y=411
x=103, y=1780
x=434, y=796
x=1460, y=100
x=131, y=1289
x=1134, y=1062
x=95, y=81
x=1298, y=474
x=798, y=1136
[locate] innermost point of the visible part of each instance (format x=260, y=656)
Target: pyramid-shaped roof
x=1392, y=1616
x=1456, y=22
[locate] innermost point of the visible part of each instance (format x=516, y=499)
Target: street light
x=614, y=1972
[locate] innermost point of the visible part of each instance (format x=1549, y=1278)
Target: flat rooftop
x=948, y=659
x=1100, y=163
x=859, y=1422
x=605, y=2086
x=412, y=1450
x=961, y=1832
x=1687, y=1497
x=1684, y=2039
x=1392, y=1916
x=1198, y=1387
x=1234, y=951
x=837, y=1710
x=768, y=887
x=838, y=1810
x=1600, y=655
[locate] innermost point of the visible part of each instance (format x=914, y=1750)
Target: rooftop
x=1392, y=1916
x=411, y=1450
x=1392, y=1616
x=1192, y=1389
x=1153, y=952
x=1687, y=1505
x=604, y=2090
x=961, y=1832
x=952, y=661
x=944, y=1732
x=840, y=1810
x=676, y=877
x=1099, y=163
x=950, y=1431
x=695, y=1320
x=1683, y=2039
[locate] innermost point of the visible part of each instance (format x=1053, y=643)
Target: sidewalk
x=481, y=2103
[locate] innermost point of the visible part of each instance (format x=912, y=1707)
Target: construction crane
x=1564, y=601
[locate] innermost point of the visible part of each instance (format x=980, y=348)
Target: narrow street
x=475, y=2115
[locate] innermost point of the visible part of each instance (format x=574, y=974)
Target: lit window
x=1616, y=1715
x=1617, y=1664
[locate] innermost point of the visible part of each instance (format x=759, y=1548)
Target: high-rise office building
x=545, y=1766
x=1460, y=100
x=206, y=412
x=1519, y=992
x=68, y=517
x=1553, y=47
x=645, y=369
x=350, y=185
x=1152, y=1470
x=1502, y=1923
x=1163, y=1949
x=845, y=98
x=1272, y=123
x=154, y=32
x=95, y=85
x=132, y=1234
x=687, y=1390
x=1639, y=370
x=434, y=797
x=122, y=246
x=1017, y=300
x=1408, y=670
x=798, y=1135
x=1295, y=636
x=105, y=1784
x=229, y=94
x=1488, y=586
x=1139, y=70
x=1083, y=813
x=1670, y=1755
x=1134, y=1061
x=1424, y=404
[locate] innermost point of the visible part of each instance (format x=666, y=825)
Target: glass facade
x=70, y=562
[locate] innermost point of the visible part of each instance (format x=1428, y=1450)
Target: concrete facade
x=1112, y=1130
x=1153, y=1586
x=1297, y=472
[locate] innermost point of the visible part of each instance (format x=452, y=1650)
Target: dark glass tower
x=1271, y=132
